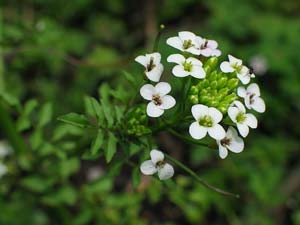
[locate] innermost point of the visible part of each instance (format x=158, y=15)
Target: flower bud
x=232, y=83
x=212, y=63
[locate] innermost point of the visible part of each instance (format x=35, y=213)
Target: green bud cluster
x=217, y=89
x=136, y=121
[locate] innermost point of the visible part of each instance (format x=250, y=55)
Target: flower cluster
x=221, y=98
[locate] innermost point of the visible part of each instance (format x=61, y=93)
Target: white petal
x=167, y=102
x=237, y=143
x=156, y=156
x=251, y=120
x=176, y=58
x=197, y=131
x=163, y=88
x=193, y=50
x=179, y=71
x=253, y=88
x=147, y=91
x=215, y=114
x=155, y=74
x=234, y=60
x=175, y=42
x=142, y=60
x=166, y=172
x=232, y=113
x=241, y=91
x=206, y=52
x=198, y=72
x=212, y=44
x=217, y=132
x=236, y=146
x=222, y=151
x=216, y=52
x=259, y=105
x=153, y=110
x=244, y=78
x=148, y=168
x=226, y=67
x=199, y=111
x=239, y=105
x=194, y=61
x=243, y=129
x=156, y=57
x=186, y=35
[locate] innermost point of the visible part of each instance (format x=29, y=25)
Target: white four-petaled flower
x=252, y=97
x=157, y=165
x=243, y=120
x=208, y=47
x=236, y=65
x=186, y=42
x=159, y=100
x=153, y=67
x=190, y=66
x=207, y=121
x=231, y=142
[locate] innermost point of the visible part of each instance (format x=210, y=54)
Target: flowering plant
x=215, y=107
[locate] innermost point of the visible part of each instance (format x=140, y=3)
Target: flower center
x=151, y=65
x=160, y=164
x=204, y=46
x=206, y=121
x=251, y=98
x=187, y=44
x=240, y=117
x=226, y=141
x=156, y=99
x=187, y=66
x=237, y=67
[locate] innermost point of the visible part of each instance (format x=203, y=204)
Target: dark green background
x=59, y=51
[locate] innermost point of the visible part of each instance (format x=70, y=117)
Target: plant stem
x=200, y=180
x=187, y=139
x=157, y=38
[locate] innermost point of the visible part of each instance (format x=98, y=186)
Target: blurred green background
x=56, y=52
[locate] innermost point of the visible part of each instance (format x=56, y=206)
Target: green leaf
x=36, y=183
x=94, y=108
x=108, y=112
x=45, y=115
x=75, y=119
x=131, y=79
x=97, y=143
x=111, y=147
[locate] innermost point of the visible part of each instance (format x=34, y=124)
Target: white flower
x=157, y=165
x=207, y=121
x=208, y=47
x=5, y=149
x=190, y=66
x=186, y=42
x=236, y=65
x=252, y=97
x=231, y=142
x=152, y=64
x=3, y=169
x=159, y=100
x=243, y=120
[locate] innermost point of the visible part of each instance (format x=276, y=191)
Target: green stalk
x=200, y=180
x=187, y=139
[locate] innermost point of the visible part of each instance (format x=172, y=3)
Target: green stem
x=200, y=180
x=157, y=38
x=187, y=139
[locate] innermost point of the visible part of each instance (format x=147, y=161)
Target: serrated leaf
x=97, y=143
x=75, y=120
x=119, y=113
x=111, y=147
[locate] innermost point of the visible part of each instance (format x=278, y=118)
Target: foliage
x=55, y=54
